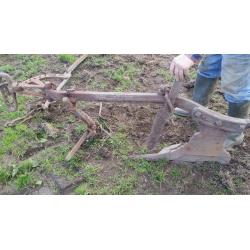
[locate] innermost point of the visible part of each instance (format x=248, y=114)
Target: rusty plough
x=205, y=145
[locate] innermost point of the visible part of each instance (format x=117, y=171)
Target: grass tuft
x=67, y=58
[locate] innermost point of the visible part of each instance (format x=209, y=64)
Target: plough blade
x=205, y=145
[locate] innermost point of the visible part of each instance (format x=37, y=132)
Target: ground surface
x=32, y=154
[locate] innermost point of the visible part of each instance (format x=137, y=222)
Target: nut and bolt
x=218, y=123
x=197, y=114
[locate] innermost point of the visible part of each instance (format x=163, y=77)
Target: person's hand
x=180, y=66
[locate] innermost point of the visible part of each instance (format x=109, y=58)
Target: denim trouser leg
x=234, y=70
x=210, y=66
x=235, y=77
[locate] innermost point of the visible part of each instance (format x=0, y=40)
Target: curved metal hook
x=9, y=96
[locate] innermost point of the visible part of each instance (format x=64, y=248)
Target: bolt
x=218, y=123
x=197, y=114
x=242, y=126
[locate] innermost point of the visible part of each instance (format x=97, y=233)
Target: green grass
x=7, y=68
x=120, y=144
x=124, y=185
x=91, y=180
x=165, y=74
x=67, y=58
x=30, y=66
x=176, y=174
x=192, y=74
x=21, y=175
x=124, y=76
x=238, y=181
x=120, y=185
x=16, y=140
x=96, y=60
x=24, y=181
x=80, y=128
x=52, y=160
x=6, y=115
x=27, y=66
x=154, y=170
x=5, y=175
x=97, y=85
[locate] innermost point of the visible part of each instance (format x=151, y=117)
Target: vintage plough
x=207, y=144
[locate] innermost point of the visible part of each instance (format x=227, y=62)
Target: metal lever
x=9, y=96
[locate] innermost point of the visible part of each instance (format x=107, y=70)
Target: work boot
x=203, y=90
x=238, y=110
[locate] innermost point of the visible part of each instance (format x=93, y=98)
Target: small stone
x=45, y=191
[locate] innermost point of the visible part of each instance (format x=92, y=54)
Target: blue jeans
x=234, y=70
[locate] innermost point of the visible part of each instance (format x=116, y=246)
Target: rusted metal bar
x=119, y=97
x=164, y=114
x=229, y=123
x=77, y=146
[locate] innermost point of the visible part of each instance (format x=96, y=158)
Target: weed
x=82, y=189
x=67, y=58
x=5, y=175
x=6, y=115
x=30, y=66
x=192, y=74
x=155, y=170
x=175, y=174
x=120, y=144
x=91, y=181
x=80, y=128
x=96, y=60
x=124, y=76
x=24, y=181
x=98, y=85
x=23, y=167
x=7, y=68
x=90, y=173
x=71, y=118
x=16, y=140
x=124, y=185
x=238, y=181
x=165, y=74
x=20, y=174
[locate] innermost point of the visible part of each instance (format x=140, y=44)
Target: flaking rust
x=207, y=144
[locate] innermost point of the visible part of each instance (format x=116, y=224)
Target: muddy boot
x=238, y=110
x=203, y=90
